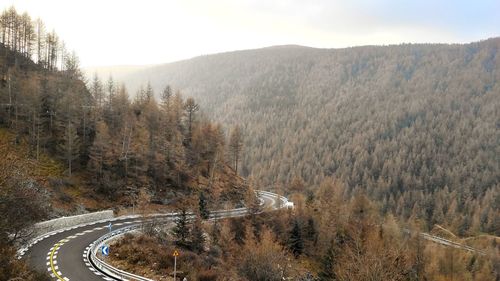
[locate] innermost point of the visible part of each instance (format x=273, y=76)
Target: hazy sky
x=109, y=32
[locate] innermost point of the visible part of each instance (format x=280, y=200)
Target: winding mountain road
x=63, y=254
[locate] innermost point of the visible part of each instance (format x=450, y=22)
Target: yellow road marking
x=56, y=246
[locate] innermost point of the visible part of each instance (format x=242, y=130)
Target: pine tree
x=204, y=212
x=238, y=230
x=216, y=232
x=295, y=242
x=197, y=237
x=181, y=229
x=310, y=231
x=327, y=272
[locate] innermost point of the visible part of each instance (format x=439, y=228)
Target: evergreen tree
x=310, y=231
x=216, y=232
x=181, y=229
x=327, y=272
x=202, y=203
x=238, y=230
x=295, y=242
x=197, y=237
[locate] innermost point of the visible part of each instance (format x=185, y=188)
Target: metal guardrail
x=105, y=268
x=282, y=198
x=446, y=242
x=118, y=274
x=450, y=243
x=114, y=272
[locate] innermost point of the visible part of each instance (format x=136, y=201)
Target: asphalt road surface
x=62, y=255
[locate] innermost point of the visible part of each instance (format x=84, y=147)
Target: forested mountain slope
x=117, y=148
x=70, y=147
x=416, y=126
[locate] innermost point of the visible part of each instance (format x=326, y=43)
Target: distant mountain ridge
x=159, y=75
x=118, y=72
x=414, y=125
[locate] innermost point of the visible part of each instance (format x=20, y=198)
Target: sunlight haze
x=150, y=32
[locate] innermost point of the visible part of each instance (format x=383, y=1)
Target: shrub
x=207, y=275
